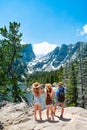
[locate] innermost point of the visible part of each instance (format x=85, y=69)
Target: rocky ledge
x=20, y=117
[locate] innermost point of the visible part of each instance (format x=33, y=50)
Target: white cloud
x=23, y=43
x=84, y=30
x=43, y=48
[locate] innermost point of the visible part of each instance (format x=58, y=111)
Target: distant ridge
x=54, y=59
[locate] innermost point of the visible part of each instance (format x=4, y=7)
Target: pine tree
x=71, y=95
x=84, y=76
x=10, y=49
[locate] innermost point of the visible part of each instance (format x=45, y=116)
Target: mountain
x=20, y=65
x=28, y=54
x=54, y=59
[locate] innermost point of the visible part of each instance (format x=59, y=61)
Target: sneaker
x=61, y=117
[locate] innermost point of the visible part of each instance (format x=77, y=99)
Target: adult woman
x=49, y=105
x=37, y=91
x=60, y=97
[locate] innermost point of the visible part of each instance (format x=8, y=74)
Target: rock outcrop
x=20, y=117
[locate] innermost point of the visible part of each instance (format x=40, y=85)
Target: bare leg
x=40, y=112
x=62, y=109
x=47, y=112
x=54, y=108
x=35, y=112
x=52, y=113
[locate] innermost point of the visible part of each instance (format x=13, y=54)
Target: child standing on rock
x=49, y=105
x=37, y=92
x=60, y=98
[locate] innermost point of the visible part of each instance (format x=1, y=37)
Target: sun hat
x=48, y=86
x=60, y=84
x=36, y=85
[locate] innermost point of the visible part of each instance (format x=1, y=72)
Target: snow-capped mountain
x=54, y=59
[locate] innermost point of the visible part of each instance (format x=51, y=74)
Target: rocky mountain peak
x=28, y=54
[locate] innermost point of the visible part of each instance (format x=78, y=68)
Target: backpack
x=61, y=95
x=48, y=99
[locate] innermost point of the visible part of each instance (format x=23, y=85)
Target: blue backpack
x=61, y=95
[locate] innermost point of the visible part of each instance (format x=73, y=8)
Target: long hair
x=36, y=89
x=48, y=94
x=48, y=89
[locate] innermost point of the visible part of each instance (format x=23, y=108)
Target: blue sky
x=47, y=23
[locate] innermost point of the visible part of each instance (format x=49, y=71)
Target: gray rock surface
x=20, y=117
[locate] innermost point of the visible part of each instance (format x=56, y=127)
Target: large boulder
x=20, y=117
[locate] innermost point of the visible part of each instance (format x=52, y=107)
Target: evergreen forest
x=73, y=74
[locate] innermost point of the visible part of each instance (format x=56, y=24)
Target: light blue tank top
x=37, y=99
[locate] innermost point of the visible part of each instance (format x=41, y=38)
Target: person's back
x=60, y=94
x=48, y=97
x=37, y=99
x=49, y=104
x=60, y=97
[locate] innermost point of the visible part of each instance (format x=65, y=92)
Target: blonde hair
x=48, y=87
x=60, y=84
x=36, y=87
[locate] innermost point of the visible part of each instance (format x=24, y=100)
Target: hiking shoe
x=61, y=117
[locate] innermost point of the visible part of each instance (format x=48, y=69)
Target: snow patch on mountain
x=53, y=60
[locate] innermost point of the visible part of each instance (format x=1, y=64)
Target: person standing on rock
x=60, y=98
x=49, y=105
x=37, y=92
